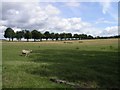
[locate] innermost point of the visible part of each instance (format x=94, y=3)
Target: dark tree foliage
x=47, y=35
x=76, y=36
x=52, y=36
x=68, y=36
x=83, y=36
x=19, y=35
x=27, y=35
x=56, y=36
x=65, y=36
x=35, y=34
x=41, y=36
x=9, y=33
x=62, y=36
x=89, y=37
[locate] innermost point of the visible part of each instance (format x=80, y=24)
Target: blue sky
x=88, y=11
x=93, y=18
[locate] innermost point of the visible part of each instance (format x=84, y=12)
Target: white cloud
x=2, y=28
x=105, y=6
x=110, y=31
x=104, y=21
x=108, y=8
x=51, y=10
x=27, y=15
x=67, y=24
x=16, y=29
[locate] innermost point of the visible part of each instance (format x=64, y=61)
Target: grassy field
x=89, y=63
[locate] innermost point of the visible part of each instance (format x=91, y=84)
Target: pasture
x=89, y=63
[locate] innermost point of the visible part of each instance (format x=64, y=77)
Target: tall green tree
x=61, y=36
x=35, y=35
x=27, y=35
x=41, y=36
x=65, y=36
x=56, y=36
x=90, y=37
x=9, y=33
x=69, y=36
x=52, y=36
x=19, y=35
x=47, y=35
x=80, y=36
x=83, y=36
x=76, y=36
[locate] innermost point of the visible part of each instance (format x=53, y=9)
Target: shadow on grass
x=88, y=68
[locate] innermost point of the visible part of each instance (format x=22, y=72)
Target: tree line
x=37, y=35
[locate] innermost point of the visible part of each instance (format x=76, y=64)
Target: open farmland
x=89, y=63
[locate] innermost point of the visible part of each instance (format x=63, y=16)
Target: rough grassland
x=90, y=63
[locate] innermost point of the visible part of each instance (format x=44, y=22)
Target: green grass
x=91, y=64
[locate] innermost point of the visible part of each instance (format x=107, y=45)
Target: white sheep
x=26, y=52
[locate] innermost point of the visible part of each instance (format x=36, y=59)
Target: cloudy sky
x=94, y=18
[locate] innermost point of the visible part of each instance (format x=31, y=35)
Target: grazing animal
x=26, y=52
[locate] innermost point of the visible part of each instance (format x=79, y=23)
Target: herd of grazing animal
x=26, y=52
